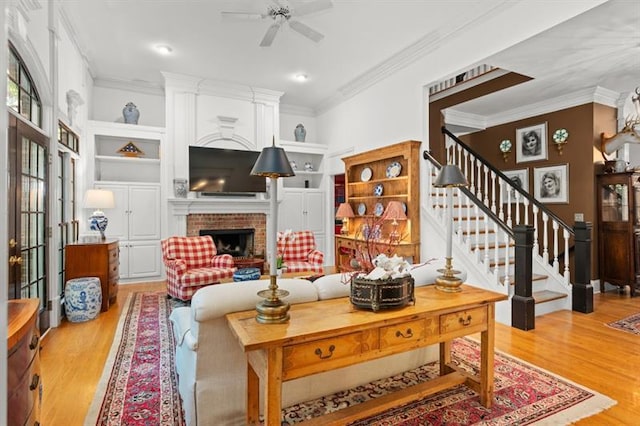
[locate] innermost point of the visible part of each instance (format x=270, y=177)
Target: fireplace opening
x=236, y=242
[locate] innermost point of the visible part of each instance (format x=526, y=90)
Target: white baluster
x=567, y=273
x=494, y=196
x=486, y=186
x=554, y=224
x=536, y=248
x=545, y=238
x=486, y=242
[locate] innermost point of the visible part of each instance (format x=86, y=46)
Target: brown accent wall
x=582, y=154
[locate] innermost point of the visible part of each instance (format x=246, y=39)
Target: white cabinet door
x=118, y=226
x=313, y=211
x=144, y=213
x=302, y=210
x=291, y=211
x=136, y=215
x=140, y=259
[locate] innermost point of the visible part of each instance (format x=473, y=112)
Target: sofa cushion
x=338, y=285
x=218, y=300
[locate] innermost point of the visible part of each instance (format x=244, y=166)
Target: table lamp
x=394, y=212
x=344, y=212
x=449, y=177
x=272, y=163
x=99, y=199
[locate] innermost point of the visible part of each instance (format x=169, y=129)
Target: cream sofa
x=211, y=366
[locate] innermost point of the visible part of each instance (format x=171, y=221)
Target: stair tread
x=534, y=277
x=547, y=296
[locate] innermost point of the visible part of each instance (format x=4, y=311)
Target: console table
x=331, y=334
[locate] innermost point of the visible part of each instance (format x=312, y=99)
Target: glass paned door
x=28, y=215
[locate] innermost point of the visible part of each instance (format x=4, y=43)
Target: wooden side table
x=249, y=262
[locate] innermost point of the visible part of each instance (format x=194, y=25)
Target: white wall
x=289, y=121
x=394, y=109
x=108, y=103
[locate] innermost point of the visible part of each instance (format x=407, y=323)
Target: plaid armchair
x=192, y=263
x=298, y=251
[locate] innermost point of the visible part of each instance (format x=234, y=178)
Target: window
x=22, y=96
x=67, y=138
x=68, y=226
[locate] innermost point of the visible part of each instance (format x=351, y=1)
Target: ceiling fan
x=281, y=13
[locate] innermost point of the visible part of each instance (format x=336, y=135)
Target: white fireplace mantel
x=180, y=208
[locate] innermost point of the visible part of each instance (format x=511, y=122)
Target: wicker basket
x=381, y=294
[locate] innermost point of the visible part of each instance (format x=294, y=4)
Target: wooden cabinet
x=95, y=259
x=618, y=198
x=24, y=384
x=372, y=180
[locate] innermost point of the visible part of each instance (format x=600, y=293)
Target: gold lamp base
x=273, y=310
x=448, y=282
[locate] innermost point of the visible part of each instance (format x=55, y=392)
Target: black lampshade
x=450, y=175
x=272, y=162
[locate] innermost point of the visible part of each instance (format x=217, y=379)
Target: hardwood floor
x=579, y=347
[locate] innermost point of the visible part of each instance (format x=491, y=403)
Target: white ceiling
x=117, y=36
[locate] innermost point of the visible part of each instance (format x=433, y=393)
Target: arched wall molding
x=212, y=139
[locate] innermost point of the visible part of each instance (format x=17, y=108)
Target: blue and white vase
x=82, y=299
x=130, y=113
x=98, y=222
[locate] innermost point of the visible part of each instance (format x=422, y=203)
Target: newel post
x=582, y=290
x=522, y=302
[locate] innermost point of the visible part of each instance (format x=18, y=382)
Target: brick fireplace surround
x=256, y=221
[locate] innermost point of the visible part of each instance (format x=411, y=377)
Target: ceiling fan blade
x=311, y=7
x=305, y=30
x=270, y=35
x=242, y=15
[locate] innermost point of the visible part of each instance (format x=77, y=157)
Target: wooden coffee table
x=330, y=334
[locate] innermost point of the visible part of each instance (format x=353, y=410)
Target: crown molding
x=410, y=54
x=595, y=94
x=130, y=86
x=297, y=110
x=490, y=75
x=205, y=86
x=472, y=122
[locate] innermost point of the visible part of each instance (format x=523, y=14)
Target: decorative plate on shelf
x=394, y=169
x=366, y=174
x=379, y=209
x=404, y=207
x=362, y=209
x=377, y=190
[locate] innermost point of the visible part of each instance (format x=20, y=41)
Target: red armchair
x=299, y=253
x=192, y=263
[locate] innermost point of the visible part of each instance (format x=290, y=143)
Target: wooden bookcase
x=365, y=172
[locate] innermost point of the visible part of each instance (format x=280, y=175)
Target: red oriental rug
x=630, y=324
x=138, y=384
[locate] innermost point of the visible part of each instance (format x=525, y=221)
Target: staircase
x=487, y=217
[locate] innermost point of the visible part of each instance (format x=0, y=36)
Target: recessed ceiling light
x=163, y=49
x=301, y=77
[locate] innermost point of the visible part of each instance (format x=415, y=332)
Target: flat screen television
x=223, y=171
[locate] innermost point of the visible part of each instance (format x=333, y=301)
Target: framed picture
x=551, y=184
x=531, y=143
x=519, y=178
